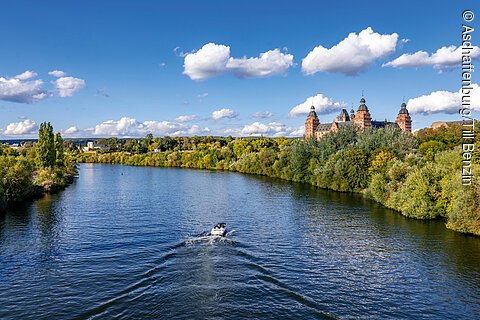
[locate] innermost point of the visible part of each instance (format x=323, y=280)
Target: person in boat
x=219, y=229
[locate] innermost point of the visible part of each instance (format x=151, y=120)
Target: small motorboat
x=219, y=230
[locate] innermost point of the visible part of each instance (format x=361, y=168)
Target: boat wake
x=206, y=237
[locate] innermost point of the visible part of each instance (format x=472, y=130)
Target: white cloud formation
x=203, y=95
x=352, y=55
x=267, y=64
x=300, y=131
x=71, y=130
x=67, y=86
x=26, y=75
x=195, y=129
x=211, y=60
x=23, y=89
x=124, y=126
x=57, y=73
x=19, y=128
x=214, y=59
x=186, y=118
x=262, y=114
x=443, y=102
x=131, y=127
x=261, y=129
x=19, y=90
x=445, y=58
x=322, y=104
x=223, y=113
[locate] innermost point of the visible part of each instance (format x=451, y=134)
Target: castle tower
x=311, y=124
x=352, y=114
x=403, y=119
x=363, y=119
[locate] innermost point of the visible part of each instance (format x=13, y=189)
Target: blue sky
x=127, y=68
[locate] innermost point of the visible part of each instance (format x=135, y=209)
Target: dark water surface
x=122, y=242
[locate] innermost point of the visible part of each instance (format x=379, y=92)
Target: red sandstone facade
x=361, y=119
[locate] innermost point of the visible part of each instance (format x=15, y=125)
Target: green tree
x=59, y=152
x=45, y=147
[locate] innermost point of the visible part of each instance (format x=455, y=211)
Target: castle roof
x=403, y=109
x=324, y=127
x=312, y=112
x=382, y=124
x=362, y=106
x=343, y=116
x=344, y=124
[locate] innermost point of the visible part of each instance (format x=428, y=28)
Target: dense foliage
x=420, y=176
x=33, y=169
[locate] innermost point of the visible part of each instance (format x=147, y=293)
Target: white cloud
x=322, y=104
x=131, y=127
x=261, y=129
x=211, y=60
x=203, y=95
x=231, y=131
x=26, y=75
x=352, y=55
x=19, y=128
x=18, y=90
x=445, y=58
x=223, y=113
x=23, y=89
x=214, y=60
x=71, y=130
x=57, y=73
x=300, y=131
x=262, y=114
x=186, y=118
x=195, y=129
x=67, y=86
x=267, y=64
x=443, y=102
x=178, y=52
x=124, y=126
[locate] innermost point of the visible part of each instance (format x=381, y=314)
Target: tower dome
x=362, y=106
x=403, y=109
x=312, y=112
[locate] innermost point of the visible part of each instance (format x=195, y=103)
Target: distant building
x=93, y=146
x=361, y=119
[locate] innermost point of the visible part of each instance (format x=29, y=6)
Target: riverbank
x=385, y=165
x=30, y=171
x=21, y=181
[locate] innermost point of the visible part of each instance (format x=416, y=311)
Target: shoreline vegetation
x=36, y=169
x=418, y=175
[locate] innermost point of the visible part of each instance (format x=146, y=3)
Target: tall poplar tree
x=59, y=155
x=45, y=147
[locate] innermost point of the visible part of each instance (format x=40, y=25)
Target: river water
x=128, y=243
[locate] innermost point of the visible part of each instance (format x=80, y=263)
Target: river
x=128, y=243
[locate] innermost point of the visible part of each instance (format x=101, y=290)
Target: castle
x=362, y=119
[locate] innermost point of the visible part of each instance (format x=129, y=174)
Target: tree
x=45, y=148
x=59, y=153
